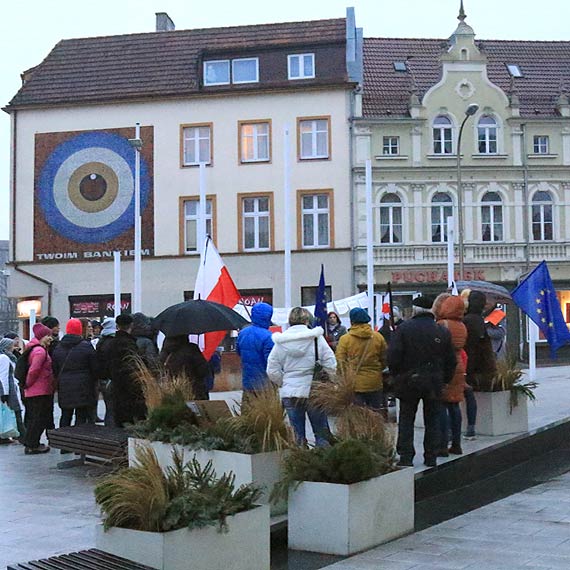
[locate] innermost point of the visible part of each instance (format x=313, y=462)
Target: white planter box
x=345, y=519
x=494, y=415
x=244, y=547
x=263, y=469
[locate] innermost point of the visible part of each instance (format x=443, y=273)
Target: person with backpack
x=35, y=372
x=74, y=364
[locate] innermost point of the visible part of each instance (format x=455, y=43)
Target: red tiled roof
x=154, y=64
x=545, y=67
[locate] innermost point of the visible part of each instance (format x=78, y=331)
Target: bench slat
x=84, y=560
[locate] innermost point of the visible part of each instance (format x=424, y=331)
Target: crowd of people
x=434, y=357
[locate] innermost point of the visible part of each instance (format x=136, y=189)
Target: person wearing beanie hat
x=108, y=327
x=363, y=352
x=108, y=330
x=75, y=369
x=422, y=359
x=53, y=324
x=39, y=387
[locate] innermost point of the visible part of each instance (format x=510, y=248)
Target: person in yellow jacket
x=363, y=351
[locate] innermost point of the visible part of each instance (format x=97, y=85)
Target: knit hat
x=108, y=327
x=11, y=335
x=50, y=322
x=358, y=315
x=40, y=331
x=74, y=326
x=6, y=344
x=424, y=302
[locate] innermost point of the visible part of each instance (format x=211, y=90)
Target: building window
x=255, y=222
x=492, y=217
x=255, y=141
x=390, y=219
x=301, y=66
x=514, y=70
x=542, y=216
x=313, y=138
x=315, y=218
x=487, y=135
x=441, y=209
x=190, y=212
x=442, y=135
x=391, y=145
x=217, y=72
x=245, y=70
x=541, y=144
x=309, y=295
x=196, y=144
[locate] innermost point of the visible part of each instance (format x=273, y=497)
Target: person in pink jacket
x=38, y=389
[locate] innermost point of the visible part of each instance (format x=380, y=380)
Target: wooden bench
x=85, y=560
x=100, y=444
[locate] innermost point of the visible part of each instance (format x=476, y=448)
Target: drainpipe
x=526, y=205
x=351, y=194
x=41, y=280
x=13, y=185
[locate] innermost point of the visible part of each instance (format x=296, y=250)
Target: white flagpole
x=287, y=214
x=201, y=233
x=378, y=315
x=137, y=289
x=532, y=338
x=369, y=239
x=117, y=282
x=32, y=322
x=450, y=251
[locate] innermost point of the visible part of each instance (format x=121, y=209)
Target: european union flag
x=321, y=301
x=536, y=297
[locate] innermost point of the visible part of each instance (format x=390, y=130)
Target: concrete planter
x=494, y=414
x=345, y=519
x=263, y=469
x=244, y=547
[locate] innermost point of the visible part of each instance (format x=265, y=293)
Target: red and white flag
x=214, y=283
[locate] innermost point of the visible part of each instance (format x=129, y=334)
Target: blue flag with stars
x=536, y=297
x=321, y=301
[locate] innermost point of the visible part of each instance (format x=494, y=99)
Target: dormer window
x=301, y=66
x=217, y=72
x=514, y=70
x=243, y=70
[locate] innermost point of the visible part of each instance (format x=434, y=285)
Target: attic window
x=514, y=70
x=400, y=66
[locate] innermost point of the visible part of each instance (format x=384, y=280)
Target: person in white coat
x=291, y=364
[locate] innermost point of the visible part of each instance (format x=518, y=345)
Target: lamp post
x=469, y=112
x=137, y=143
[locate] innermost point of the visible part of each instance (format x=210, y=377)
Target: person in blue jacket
x=254, y=344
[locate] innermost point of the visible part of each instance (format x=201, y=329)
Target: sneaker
x=456, y=450
x=443, y=453
x=36, y=450
x=470, y=433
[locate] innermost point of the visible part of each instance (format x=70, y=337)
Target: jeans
x=450, y=418
x=408, y=410
x=470, y=406
x=297, y=410
x=372, y=400
x=39, y=417
x=82, y=416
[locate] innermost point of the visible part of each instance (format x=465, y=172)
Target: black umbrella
x=498, y=292
x=197, y=317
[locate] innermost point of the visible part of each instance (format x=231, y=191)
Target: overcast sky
x=30, y=28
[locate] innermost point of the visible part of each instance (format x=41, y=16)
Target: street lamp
x=469, y=112
x=137, y=143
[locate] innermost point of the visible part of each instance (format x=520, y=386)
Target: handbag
x=8, y=425
x=319, y=373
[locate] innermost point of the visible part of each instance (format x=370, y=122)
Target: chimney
x=164, y=23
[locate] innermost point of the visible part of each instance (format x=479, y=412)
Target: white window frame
x=302, y=74
x=445, y=210
x=315, y=212
x=541, y=144
x=484, y=135
x=314, y=137
x=195, y=141
x=446, y=135
x=241, y=60
x=256, y=139
x=195, y=217
x=205, y=63
x=390, y=207
x=390, y=143
x=539, y=207
x=492, y=206
x=256, y=215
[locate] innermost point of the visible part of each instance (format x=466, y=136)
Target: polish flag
x=214, y=283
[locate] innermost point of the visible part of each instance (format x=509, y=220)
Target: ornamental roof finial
x=462, y=14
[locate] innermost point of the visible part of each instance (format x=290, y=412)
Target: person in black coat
x=74, y=366
x=144, y=335
x=421, y=358
x=181, y=357
x=126, y=393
